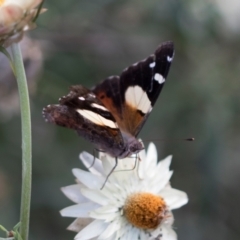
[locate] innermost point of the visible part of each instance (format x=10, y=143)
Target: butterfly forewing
x=131, y=97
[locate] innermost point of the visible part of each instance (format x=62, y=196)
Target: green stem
x=26, y=140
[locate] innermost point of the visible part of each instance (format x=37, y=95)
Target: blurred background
x=83, y=42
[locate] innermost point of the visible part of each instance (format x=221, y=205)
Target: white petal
x=108, y=165
x=114, y=194
x=132, y=234
x=174, y=198
x=110, y=230
x=108, y=190
x=103, y=156
x=129, y=233
x=161, y=175
x=73, y=193
x=162, y=167
x=107, y=209
x=126, y=163
x=168, y=234
x=143, y=235
x=122, y=229
x=79, y=210
x=95, y=196
x=107, y=217
x=147, y=161
x=88, y=179
x=164, y=164
x=152, y=154
x=160, y=181
x=113, y=237
x=123, y=172
x=94, y=165
x=94, y=229
x=78, y=224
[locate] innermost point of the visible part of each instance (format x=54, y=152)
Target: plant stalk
x=26, y=140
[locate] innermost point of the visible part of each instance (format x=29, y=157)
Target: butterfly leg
x=137, y=158
x=138, y=170
x=116, y=163
x=94, y=156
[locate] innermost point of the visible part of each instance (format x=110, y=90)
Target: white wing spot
x=169, y=59
x=137, y=98
x=92, y=95
x=152, y=65
x=99, y=106
x=96, y=118
x=81, y=98
x=159, y=78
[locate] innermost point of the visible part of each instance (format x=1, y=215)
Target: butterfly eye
x=135, y=147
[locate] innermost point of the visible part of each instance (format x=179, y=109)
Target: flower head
x=16, y=16
x=135, y=203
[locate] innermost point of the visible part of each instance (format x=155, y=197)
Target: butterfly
x=112, y=113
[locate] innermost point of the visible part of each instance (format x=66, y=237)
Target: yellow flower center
x=2, y=2
x=145, y=210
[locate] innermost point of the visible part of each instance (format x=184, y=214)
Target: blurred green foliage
x=83, y=42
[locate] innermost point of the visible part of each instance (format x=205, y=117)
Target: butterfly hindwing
x=82, y=111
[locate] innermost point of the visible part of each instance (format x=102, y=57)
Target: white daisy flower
x=16, y=16
x=134, y=203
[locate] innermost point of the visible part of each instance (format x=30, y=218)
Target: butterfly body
x=111, y=114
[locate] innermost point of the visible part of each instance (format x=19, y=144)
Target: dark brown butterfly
x=111, y=114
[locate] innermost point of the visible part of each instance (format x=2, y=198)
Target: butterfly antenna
x=116, y=163
x=165, y=139
x=189, y=139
